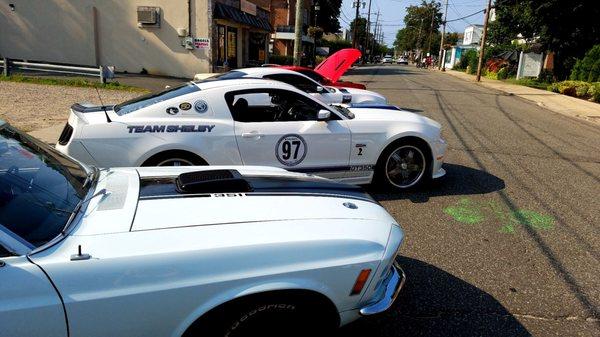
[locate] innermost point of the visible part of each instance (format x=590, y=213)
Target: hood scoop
x=212, y=181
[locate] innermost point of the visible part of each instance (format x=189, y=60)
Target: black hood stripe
x=163, y=188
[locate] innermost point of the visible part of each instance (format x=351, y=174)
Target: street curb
x=558, y=103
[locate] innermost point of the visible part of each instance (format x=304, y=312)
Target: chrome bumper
x=392, y=290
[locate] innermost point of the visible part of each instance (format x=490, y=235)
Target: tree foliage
x=567, y=27
x=328, y=14
x=421, y=30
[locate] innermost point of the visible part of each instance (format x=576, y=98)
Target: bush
x=491, y=75
x=468, y=61
x=503, y=73
x=588, y=68
x=580, y=89
x=546, y=76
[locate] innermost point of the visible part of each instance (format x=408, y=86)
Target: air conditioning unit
x=148, y=16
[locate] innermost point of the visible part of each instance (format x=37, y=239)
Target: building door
x=232, y=47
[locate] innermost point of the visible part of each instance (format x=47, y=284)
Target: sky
x=392, y=14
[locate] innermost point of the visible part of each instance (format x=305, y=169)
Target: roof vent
x=212, y=181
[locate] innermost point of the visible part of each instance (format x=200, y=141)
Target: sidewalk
x=562, y=104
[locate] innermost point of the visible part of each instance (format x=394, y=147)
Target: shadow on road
x=436, y=303
x=383, y=70
x=459, y=180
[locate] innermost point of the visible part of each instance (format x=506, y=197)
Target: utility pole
x=355, y=30
x=483, y=36
x=431, y=30
x=418, y=45
x=375, y=34
x=367, y=36
x=298, y=34
x=442, y=63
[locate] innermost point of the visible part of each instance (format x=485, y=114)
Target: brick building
x=283, y=20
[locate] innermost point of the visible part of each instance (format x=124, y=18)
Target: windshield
x=344, y=111
x=39, y=187
x=153, y=98
x=233, y=74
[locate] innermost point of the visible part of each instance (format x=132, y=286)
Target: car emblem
x=200, y=106
x=350, y=205
x=185, y=106
x=172, y=110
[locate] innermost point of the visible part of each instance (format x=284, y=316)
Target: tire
x=175, y=158
x=267, y=317
x=404, y=165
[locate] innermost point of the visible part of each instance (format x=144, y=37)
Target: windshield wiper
x=90, y=176
x=78, y=207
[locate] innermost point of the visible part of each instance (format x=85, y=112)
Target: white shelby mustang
x=159, y=251
x=327, y=94
x=258, y=122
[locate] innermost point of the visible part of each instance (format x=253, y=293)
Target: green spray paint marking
x=470, y=212
x=465, y=211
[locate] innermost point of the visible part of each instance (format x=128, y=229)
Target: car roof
x=267, y=71
x=244, y=82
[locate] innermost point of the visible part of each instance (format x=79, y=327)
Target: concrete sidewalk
x=562, y=104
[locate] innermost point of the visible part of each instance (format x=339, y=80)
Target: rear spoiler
x=90, y=108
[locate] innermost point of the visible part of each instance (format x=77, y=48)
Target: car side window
x=271, y=105
x=297, y=81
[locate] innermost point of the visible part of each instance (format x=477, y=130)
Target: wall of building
x=65, y=31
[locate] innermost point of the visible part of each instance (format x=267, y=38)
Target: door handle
x=253, y=134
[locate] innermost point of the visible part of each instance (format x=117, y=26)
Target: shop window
x=226, y=46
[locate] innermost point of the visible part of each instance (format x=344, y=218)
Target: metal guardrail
x=103, y=72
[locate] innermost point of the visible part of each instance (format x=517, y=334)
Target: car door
x=29, y=304
x=278, y=127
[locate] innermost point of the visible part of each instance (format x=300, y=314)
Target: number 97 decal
x=291, y=150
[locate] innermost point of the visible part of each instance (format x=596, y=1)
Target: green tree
x=328, y=14
x=567, y=27
x=422, y=24
x=361, y=32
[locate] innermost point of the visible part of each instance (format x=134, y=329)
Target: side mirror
x=323, y=115
x=320, y=89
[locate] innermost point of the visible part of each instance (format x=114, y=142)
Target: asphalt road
x=508, y=243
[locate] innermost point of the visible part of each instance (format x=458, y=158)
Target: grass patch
x=529, y=82
x=77, y=82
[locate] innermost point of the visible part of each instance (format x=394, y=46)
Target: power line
x=468, y=16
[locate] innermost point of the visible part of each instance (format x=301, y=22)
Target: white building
x=472, y=35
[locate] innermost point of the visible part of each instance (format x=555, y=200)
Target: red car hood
x=336, y=65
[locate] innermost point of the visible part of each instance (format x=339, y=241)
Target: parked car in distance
x=387, y=59
x=249, y=121
x=402, y=60
x=174, y=251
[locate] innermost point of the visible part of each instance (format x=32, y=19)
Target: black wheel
x=175, y=158
x=269, y=317
x=404, y=165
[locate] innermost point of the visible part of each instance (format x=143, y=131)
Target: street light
x=317, y=8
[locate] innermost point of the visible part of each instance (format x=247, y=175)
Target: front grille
x=65, y=135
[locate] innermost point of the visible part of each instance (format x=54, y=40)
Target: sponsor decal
x=200, y=106
x=185, y=106
x=169, y=128
x=172, y=110
x=357, y=168
x=291, y=150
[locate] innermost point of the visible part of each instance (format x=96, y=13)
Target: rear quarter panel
x=131, y=139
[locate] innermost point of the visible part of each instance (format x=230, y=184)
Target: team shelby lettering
x=169, y=128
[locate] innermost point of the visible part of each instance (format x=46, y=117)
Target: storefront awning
x=226, y=12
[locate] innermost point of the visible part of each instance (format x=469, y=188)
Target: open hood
x=336, y=65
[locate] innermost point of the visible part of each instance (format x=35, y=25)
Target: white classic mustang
x=189, y=251
x=327, y=94
x=258, y=122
